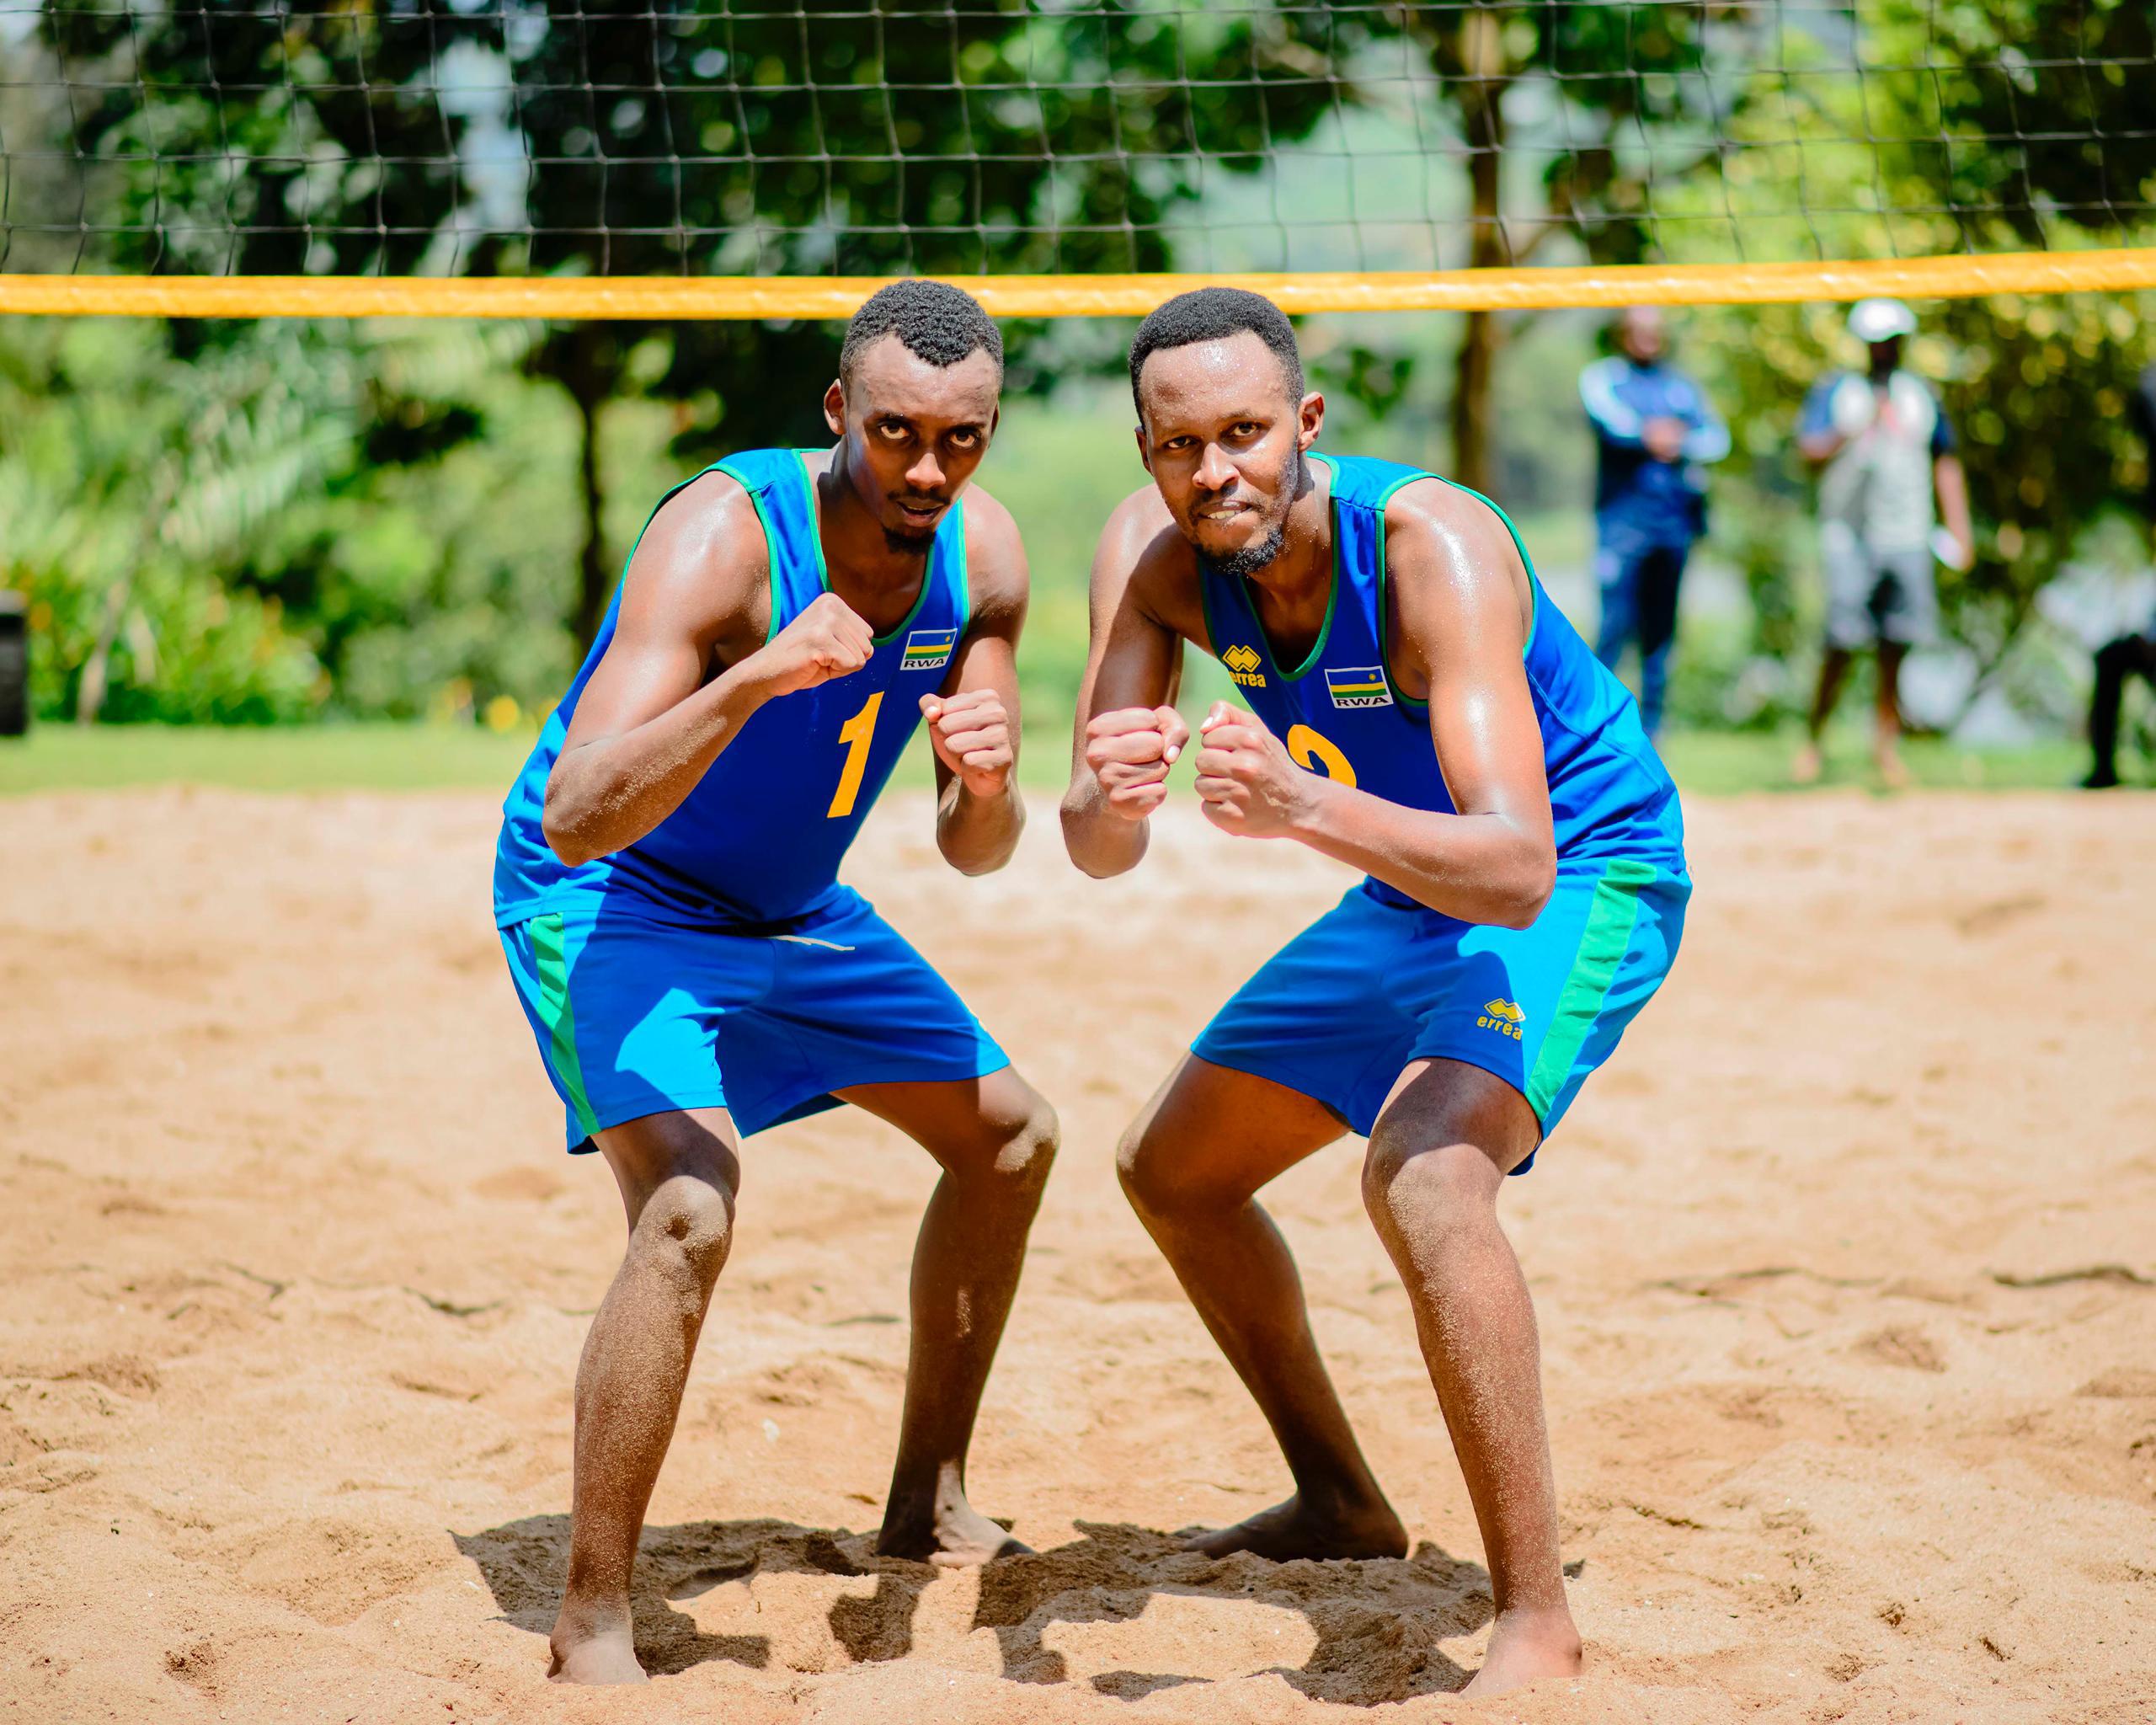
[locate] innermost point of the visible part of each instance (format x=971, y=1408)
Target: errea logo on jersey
x=929, y=650
x=1358, y=686
x=1502, y=1016
x=1242, y=662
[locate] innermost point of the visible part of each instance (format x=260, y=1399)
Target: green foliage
x=204, y=533
x=2035, y=387
x=128, y=480
x=262, y=522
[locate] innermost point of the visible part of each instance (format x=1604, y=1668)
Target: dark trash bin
x=14, y=665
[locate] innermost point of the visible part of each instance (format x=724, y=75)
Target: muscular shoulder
x=1450, y=558
x=996, y=575
x=703, y=563
x=1441, y=532
x=1142, y=553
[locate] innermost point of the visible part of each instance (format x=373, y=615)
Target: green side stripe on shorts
x=547, y=951
x=1603, y=943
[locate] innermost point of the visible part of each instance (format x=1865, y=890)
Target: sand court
x=1843, y=1267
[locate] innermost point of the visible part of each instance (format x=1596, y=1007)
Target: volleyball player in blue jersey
x=1424, y=714
x=666, y=889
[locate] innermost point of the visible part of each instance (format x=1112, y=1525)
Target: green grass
x=1730, y=763
x=433, y=757
x=56, y=757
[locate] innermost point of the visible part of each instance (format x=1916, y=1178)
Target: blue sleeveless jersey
x=1340, y=713
x=760, y=839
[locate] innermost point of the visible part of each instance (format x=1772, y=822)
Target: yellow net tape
x=793, y=296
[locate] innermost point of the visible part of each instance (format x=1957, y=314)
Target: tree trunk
x=587, y=373
x=1474, y=460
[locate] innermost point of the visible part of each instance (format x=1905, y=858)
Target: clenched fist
x=1129, y=751
x=825, y=642
x=971, y=734
x=1248, y=784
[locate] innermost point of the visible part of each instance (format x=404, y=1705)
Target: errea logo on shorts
x=1358, y=686
x=1502, y=1016
x=1242, y=662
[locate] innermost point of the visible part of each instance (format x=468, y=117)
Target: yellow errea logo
x=1242, y=662
x=1502, y=1016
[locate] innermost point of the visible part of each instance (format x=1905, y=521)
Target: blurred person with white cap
x=1883, y=447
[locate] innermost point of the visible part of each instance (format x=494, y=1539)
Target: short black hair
x=1210, y=314
x=938, y=323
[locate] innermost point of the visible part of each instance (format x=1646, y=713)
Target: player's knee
x=1411, y=1186
x=687, y=1223
x=1148, y=1176
x=1028, y=1149
x=1159, y=1183
x=1012, y=1147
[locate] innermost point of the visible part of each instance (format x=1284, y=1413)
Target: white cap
x=1880, y=320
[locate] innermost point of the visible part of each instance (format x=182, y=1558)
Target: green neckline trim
x=1332, y=597
x=928, y=569
x=1385, y=610
x=771, y=543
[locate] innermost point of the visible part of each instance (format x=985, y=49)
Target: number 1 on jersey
x=854, y=733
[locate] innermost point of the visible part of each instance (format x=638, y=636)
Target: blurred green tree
x=205, y=534
x=643, y=136
x=1574, y=120
x=2030, y=131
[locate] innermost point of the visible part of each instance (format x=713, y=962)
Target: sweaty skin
x=687, y=665
x=1223, y=441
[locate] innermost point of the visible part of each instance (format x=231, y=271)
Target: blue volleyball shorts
x=637, y=1017
x=1377, y=982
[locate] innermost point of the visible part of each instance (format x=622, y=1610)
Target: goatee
x=900, y=544
x=1240, y=565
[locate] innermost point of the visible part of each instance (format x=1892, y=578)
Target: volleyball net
x=776, y=159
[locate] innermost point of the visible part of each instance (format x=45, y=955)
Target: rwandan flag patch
x=1358, y=686
x=929, y=649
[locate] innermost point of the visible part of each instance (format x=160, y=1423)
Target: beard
x=1240, y=565
x=902, y=541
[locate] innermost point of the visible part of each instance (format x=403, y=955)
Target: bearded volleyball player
x=1423, y=714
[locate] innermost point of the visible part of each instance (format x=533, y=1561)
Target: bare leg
x=1437, y=1158
x=1885, y=751
x=1190, y=1165
x=996, y=1140
x=678, y=1174
x=1833, y=668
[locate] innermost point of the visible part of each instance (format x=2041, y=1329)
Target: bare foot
x=1806, y=768
x=1291, y=1530
x=594, y=1647
x=955, y=1536
x=1525, y=1647
x=1892, y=773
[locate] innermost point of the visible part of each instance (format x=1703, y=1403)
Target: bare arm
x=1953, y=485
x=1127, y=732
x=663, y=702
x=973, y=722
x=1459, y=584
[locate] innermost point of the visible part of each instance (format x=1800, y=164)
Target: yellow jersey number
x=855, y=734
x=1317, y=754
